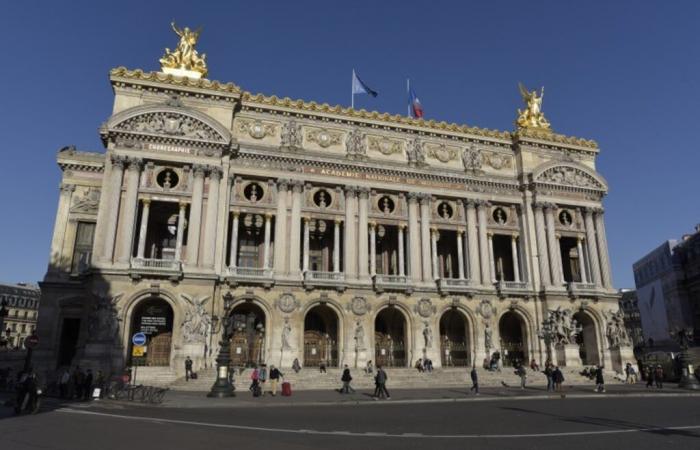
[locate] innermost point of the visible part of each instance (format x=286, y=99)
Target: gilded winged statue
x=532, y=116
x=185, y=57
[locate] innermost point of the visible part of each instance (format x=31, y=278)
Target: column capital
x=364, y=192
x=297, y=186
x=235, y=213
x=482, y=204
x=268, y=215
x=402, y=226
x=215, y=173
x=67, y=187
x=425, y=198
x=199, y=170
x=412, y=197
x=183, y=204
x=538, y=205
x=372, y=225
x=283, y=184
x=469, y=203
x=146, y=200
x=489, y=234
x=350, y=191
x=337, y=220
x=135, y=164
x=460, y=231
x=514, y=236
x=550, y=206
x=306, y=219
x=118, y=161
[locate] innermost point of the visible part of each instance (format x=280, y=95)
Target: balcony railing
x=157, y=265
x=251, y=272
x=311, y=275
x=389, y=282
x=452, y=285
x=575, y=288
x=511, y=287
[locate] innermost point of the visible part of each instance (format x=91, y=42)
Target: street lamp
x=222, y=387
x=684, y=336
x=547, y=333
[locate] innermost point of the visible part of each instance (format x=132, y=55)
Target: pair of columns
x=143, y=230
x=336, y=245
x=122, y=243
x=233, y=251
x=373, y=249
x=595, y=265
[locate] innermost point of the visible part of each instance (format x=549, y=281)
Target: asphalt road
x=592, y=423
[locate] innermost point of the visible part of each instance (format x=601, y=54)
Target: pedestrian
x=628, y=373
x=534, y=366
x=262, y=378
x=428, y=365
x=100, y=383
x=78, y=379
x=419, y=365
x=659, y=376
x=63, y=383
x=296, y=366
x=188, y=368
x=633, y=374
x=549, y=373
x=254, y=379
x=369, y=368
x=599, y=381
x=557, y=378
x=322, y=367
x=522, y=373
x=649, y=376
x=346, y=378
x=380, y=380
x=475, y=381
x=275, y=375
x=87, y=385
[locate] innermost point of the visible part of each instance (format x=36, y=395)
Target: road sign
x=138, y=350
x=138, y=339
x=31, y=341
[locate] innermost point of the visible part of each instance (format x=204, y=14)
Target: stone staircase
x=154, y=376
x=399, y=378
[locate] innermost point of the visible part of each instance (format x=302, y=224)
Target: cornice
x=68, y=158
x=216, y=88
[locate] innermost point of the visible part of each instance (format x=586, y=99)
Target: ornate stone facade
x=338, y=235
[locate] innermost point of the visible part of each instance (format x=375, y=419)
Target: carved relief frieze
x=442, y=152
x=87, y=203
x=170, y=124
x=323, y=137
x=498, y=161
x=291, y=136
x=384, y=145
x=569, y=176
x=257, y=129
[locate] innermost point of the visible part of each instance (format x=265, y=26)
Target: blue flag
x=359, y=87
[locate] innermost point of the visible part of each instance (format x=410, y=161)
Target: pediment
x=570, y=175
x=168, y=121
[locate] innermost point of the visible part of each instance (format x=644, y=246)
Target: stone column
x=144, y=228
x=433, y=253
x=180, y=231
x=460, y=254
x=59, y=229
x=414, y=238
x=402, y=269
x=350, y=253
x=484, y=247
x=233, y=256
x=372, y=249
x=362, y=239
x=591, y=246
x=553, y=244
x=115, y=193
x=295, y=229
x=266, y=249
x=581, y=260
x=210, y=226
x=126, y=236
x=305, y=267
x=514, y=251
x=543, y=256
x=195, y=215
x=425, y=237
x=492, y=262
x=336, y=245
x=472, y=243
x=603, y=249
x=281, y=229
x=561, y=262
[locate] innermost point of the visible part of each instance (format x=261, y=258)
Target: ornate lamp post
x=222, y=386
x=684, y=337
x=547, y=334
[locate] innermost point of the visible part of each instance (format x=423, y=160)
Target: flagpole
x=408, y=96
x=352, y=91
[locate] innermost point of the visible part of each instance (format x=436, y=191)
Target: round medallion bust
x=358, y=305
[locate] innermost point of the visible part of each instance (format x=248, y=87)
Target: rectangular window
x=82, y=251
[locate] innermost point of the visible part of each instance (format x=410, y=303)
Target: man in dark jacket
x=380, y=383
x=599, y=381
x=188, y=368
x=557, y=378
x=475, y=381
x=87, y=385
x=549, y=373
x=275, y=375
x=346, y=378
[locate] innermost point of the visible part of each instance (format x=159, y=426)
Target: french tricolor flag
x=415, y=108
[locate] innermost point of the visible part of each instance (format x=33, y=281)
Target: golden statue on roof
x=185, y=61
x=532, y=116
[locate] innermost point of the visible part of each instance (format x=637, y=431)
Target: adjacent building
x=21, y=303
x=633, y=322
x=321, y=233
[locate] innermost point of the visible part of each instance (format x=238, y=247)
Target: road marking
x=377, y=434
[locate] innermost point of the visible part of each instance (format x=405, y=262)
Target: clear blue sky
x=622, y=73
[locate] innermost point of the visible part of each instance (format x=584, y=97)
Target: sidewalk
x=179, y=399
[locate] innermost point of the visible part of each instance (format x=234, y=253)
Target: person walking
x=254, y=379
x=188, y=369
x=275, y=375
x=599, y=381
x=296, y=366
x=369, y=368
x=522, y=373
x=262, y=378
x=557, y=378
x=475, y=381
x=380, y=380
x=549, y=373
x=649, y=376
x=659, y=376
x=87, y=385
x=63, y=383
x=346, y=378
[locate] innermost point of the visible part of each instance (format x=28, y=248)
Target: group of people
x=654, y=376
x=79, y=384
x=380, y=379
x=260, y=376
x=554, y=375
x=424, y=365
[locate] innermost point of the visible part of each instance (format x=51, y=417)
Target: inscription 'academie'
x=375, y=177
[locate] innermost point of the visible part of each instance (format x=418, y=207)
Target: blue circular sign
x=138, y=339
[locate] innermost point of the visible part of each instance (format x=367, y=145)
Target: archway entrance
x=154, y=318
x=390, y=338
x=248, y=339
x=587, y=340
x=512, y=330
x=454, y=340
x=321, y=336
